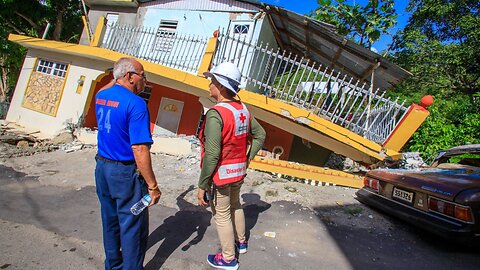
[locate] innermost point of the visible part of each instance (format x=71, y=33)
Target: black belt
x=128, y=162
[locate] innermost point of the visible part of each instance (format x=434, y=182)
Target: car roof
x=468, y=148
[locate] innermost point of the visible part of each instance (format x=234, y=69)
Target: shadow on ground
x=388, y=243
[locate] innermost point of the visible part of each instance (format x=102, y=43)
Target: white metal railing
x=321, y=90
x=179, y=51
x=278, y=74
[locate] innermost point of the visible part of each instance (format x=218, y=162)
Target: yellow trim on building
x=91, y=91
x=413, y=119
x=85, y=26
x=99, y=32
x=61, y=88
x=317, y=174
x=314, y=121
x=198, y=86
x=80, y=83
x=208, y=56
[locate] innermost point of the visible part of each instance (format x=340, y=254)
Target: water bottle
x=138, y=207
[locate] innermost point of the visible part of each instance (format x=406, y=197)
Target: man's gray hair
x=122, y=66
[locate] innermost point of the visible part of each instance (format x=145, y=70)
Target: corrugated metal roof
x=319, y=42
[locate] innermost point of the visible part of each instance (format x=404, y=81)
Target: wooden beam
x=275, y=32
x=369, y=71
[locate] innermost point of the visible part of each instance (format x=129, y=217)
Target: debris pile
x=14, y=143
x=411, y=160
x=341, y=163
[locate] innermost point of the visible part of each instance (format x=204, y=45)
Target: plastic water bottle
x=138, y=207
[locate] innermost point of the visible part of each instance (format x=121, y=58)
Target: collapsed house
x=313, y=91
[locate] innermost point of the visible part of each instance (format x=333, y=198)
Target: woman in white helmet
x=230, y=138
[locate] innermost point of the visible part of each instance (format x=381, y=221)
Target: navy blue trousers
x=124, y=234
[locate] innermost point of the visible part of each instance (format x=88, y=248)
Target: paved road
x=55, y=227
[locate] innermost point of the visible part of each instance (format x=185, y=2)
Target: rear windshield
x=471, y=159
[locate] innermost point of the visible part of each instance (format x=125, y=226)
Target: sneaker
x=217, y=261
x=241, y=247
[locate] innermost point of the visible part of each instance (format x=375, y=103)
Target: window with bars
x=52, y=68
x=241, y=29
x=165, y=37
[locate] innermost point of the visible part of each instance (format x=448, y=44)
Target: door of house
x=112, y=19
x=169, y=115
x=240, y=32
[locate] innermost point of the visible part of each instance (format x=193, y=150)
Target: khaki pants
x=229, y=218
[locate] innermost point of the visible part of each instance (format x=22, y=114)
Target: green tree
x=442, y=37
x=439, y=46
x=362, y=24
x=66, y=17
x=30, y=18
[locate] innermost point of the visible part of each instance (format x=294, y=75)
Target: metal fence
x=168, y=48
x=325, y=92
x=321, y=90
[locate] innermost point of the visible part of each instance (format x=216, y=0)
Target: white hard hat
x=227, y=74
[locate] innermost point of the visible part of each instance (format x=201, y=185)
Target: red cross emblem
x=242, y=118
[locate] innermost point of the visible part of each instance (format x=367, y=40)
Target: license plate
x=402, y=195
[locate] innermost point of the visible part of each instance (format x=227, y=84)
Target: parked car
x=443, y=198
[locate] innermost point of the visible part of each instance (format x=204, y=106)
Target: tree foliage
x=439, y=46
x=30, y=18
x=442, y=39
x=363, y=24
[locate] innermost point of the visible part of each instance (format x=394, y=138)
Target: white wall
x=126, y=16
x=264, y=35
x=202, y=23
x=71, y=105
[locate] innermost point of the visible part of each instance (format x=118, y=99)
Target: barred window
x=166, y=34
x=241, y=29
x=52, y=68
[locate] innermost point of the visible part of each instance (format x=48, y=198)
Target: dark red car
x=443, y=198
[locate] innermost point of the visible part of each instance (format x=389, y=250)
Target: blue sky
x=305, y=6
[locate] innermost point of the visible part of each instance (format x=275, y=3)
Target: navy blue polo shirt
x=122, y=120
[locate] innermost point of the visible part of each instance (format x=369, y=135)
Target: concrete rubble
x=16, y=141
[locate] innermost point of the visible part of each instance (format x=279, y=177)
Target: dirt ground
x=56, y=167
x=308, y=220
x=64, y=162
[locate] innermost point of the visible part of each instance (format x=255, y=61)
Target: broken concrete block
x=171, y=146
x=63, y=138
x=22, y=144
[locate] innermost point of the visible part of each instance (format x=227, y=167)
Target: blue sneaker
x=241, y=247
x=217, y=261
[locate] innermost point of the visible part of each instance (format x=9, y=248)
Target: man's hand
x=155, y=194
x=200, y=196
x=141, y=153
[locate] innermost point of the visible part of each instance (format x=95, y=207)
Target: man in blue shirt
x=124, y=173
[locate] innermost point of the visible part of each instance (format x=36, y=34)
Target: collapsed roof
x=319, y=42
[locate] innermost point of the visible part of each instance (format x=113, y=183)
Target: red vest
x=232, y=164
